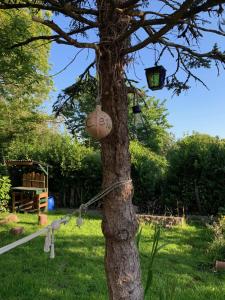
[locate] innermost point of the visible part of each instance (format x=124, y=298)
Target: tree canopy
x=176, y=28
x=150, y=127
x=24, y=81
x=24, y=70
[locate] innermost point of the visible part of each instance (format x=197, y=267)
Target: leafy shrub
x=148, y=170
x=75, y=170
x=196, y=174
x=217, y=246
x=4, y=193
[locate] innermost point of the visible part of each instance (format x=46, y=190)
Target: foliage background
x=196, y=174
x=169, y=176
x=4, y=193
x=24, y=80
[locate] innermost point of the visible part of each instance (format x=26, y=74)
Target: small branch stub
x=220, y=265
x=98, y=123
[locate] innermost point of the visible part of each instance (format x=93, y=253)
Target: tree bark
x=119, y=220
x=197, y=197
x=72, y=192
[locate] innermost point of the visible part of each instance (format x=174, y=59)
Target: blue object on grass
x=51, y=203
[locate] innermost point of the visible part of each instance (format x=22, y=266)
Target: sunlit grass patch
x=181, y=270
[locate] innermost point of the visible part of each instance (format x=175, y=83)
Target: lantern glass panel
x=156, y=77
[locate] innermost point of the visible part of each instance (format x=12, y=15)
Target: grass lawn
x=181, y=269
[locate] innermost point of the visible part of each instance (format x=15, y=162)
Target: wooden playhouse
x=29, y=181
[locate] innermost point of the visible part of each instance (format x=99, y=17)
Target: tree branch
x=190, y=74
x=73, y=7
x=211, y=54
x=168, y=3
x=171, y=22
x=204, y=7
x=68, y=10
x=128, y=3
x=55, y=37
x=55, y=6
x=33, y=39
x=208, y=30
x=135, y=91
x=71, y=90
x=185, y=11
x=87, y=69
x=136, y=25
x=64, y=35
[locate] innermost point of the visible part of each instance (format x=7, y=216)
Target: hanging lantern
x=136, y=109
x=98, y=123
x=156, y=77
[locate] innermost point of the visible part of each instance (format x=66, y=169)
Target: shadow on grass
x=77, y=272
x=28, y=223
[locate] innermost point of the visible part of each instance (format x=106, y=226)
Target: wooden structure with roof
x=29, y=185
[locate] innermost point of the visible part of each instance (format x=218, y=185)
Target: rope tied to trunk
x=98, y=197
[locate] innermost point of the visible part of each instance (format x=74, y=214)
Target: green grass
x=181, y=269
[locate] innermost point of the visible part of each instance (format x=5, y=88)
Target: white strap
x=22, y=241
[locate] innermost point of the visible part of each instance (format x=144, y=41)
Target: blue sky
x=198, y=109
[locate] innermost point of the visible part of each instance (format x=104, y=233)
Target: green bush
x=148, y=171
x=75, y=170
x=216, y=249
x=196, y=174
x=4, y=193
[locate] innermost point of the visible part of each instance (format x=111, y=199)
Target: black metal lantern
x=155, y=77
x=136, y=109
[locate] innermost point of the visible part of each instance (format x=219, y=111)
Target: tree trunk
x=64, y=198
x=72, y=192
x=197, y=197
x=119, y=220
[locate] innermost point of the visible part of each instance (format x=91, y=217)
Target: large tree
x=23, y=70
x=24, y=81
x=115, y=30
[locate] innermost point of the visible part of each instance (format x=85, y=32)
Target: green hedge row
x=190, y=179
x=75, y=173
